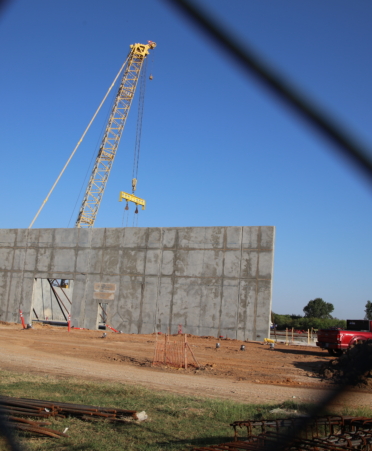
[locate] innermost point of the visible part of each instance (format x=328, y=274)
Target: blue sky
x=217, y=148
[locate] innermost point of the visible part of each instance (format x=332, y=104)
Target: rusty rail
x=270, y=440
x=329, y=433
x=13, y=408
x=319, y=426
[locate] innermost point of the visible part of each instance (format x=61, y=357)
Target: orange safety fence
x=175, y=353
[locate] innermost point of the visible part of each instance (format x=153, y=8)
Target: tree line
x=317, y=316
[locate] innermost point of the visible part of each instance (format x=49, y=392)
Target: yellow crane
x=111, y=138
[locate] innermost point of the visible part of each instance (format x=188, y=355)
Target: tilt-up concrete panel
x=208, y=280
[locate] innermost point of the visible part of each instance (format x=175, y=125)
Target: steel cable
x=141, y=104
x=78, y=144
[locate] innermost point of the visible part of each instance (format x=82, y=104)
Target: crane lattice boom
x=111, y=138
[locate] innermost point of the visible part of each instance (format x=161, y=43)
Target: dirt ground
x=256, y=375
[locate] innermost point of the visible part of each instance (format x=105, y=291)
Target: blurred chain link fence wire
x=346, y=146
x=239, y=50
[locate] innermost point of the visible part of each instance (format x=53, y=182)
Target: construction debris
x=12, y=408
x=318, y=427
x=34, y=426
x=272, y=440
x=332, y=433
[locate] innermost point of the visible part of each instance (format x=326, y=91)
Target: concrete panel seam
x=160, y=265
x=201, y=295
x=173, y=279
x=239, y=290
x=222, y=280
x=140, y=320
x=11, y=278
x=24, y=266
x=254, y=337
x=84, y=300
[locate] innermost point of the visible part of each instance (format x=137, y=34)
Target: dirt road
x=256, y=375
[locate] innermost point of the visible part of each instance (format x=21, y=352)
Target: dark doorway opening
x=52, y=300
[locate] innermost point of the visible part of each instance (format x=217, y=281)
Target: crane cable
x=137, y=145
x=141, y=103
x=78, y=144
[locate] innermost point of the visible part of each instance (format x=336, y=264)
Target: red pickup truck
x=336, y=341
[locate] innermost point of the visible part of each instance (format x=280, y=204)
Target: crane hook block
x=134, y=185
x=131, y=198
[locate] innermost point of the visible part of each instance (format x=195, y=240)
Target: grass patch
x=175, y=422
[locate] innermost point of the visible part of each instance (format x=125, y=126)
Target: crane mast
x=111, y=138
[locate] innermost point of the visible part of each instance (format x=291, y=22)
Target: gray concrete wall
x=211, y=280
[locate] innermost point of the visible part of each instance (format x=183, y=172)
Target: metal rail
x=330, y=433
x=271, y=440
x=319, y=426
x=13, y=408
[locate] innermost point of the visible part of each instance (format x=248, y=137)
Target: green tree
x=368, y=310
x=295, y=321
x=318, y=309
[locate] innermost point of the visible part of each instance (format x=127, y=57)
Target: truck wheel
x=358, y=341
x=338, y=352
x=331, y=351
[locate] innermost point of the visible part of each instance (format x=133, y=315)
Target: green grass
x=175, y=422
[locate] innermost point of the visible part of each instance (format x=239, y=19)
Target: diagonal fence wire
x=346, y=145
x=8, y=435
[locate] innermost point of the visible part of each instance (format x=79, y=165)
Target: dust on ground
x=257, y=374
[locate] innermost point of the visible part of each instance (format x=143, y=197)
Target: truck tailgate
x=328, y=337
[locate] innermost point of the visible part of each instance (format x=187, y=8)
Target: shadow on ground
x=302, y=352
x=207, y=441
